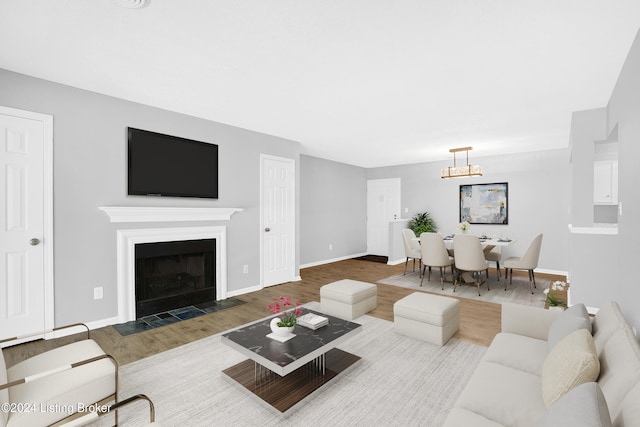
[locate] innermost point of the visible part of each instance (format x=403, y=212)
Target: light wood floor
x=479, y=320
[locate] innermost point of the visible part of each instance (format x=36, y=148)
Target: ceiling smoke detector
x=133, y=4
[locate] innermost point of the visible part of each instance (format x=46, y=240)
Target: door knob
x=267, y=229
x=34, y=242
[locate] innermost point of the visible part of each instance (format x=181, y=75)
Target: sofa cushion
x=629, y=414
x=503, y=395
x=573, y=361
x=570, y=320
x=518, y=352
x=619, y=368
x=583, y=406
x=608, y=320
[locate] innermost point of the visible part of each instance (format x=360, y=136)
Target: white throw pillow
x=584, y=406
x=570, y=320
x=573, y=361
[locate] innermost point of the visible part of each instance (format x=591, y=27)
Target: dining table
x=487, y=242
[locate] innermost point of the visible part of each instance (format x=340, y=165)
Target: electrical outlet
x=330, y=247
x=98, y=293
x=245, y=269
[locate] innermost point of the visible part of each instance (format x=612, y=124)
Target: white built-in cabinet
x=605, y=182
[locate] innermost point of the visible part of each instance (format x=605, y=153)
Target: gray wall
x=333, y=210
x=333, y=203
x=602, y=265
x=538, y=199
x=586, y=128
x=624, y=111
x=90, y=170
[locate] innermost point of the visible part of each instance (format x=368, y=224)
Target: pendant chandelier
x=456, y=171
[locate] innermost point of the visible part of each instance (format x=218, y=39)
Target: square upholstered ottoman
x=348, y=299
x=427, y=317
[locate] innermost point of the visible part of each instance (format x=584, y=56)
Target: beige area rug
x=400, y=381
x=518, y=292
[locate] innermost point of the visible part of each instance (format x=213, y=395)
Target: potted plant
x=284, y=324
x=422, y=223
x=554, y=302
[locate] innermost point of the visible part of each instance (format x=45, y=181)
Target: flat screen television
x=164, y=165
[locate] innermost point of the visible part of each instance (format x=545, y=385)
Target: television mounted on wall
x=170, y=166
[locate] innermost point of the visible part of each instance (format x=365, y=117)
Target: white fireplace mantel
x=167, y=214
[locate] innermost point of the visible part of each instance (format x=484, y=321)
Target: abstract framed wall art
x=485, y=203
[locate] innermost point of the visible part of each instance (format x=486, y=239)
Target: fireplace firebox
x=170, y=275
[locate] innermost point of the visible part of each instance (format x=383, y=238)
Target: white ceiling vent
x=133, y=4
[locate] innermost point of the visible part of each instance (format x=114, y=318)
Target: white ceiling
x=365, y=82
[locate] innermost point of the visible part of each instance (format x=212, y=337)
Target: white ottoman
x=348, y=299
x=427, y=317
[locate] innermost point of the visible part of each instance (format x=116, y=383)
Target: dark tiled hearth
x=173, y=316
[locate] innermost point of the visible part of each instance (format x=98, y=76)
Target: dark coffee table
x=283, y=373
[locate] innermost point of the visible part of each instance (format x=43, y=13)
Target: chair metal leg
x=441, y=279
x=405, y=266
x=534, y=278
x=532, y=281
x=422, y=275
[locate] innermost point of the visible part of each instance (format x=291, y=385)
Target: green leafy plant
x=422, y=223
x=555, y=302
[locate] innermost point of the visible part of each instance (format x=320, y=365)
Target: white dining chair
x=529, y=261
x=469, y=258
x=434, y=254
x=411, y=249
x=495, y=255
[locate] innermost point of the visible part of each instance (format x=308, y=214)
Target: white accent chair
x=529, y=261
x=100, y=411
x=411, y=249
x=469, y=258
x=69, y=377
x=434, y=254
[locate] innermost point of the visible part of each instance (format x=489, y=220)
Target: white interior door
x=383, y=205
x=277, y=204
x=26, y=272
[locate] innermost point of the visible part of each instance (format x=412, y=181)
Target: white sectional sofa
x=535, y=352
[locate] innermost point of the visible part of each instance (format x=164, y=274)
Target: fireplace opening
x=170, y=275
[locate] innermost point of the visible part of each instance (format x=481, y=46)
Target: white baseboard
x=329, y=261
x=555, y=272
x=396, y=261
x=243, y=291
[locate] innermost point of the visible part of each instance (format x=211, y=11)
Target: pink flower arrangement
x=281, y=305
